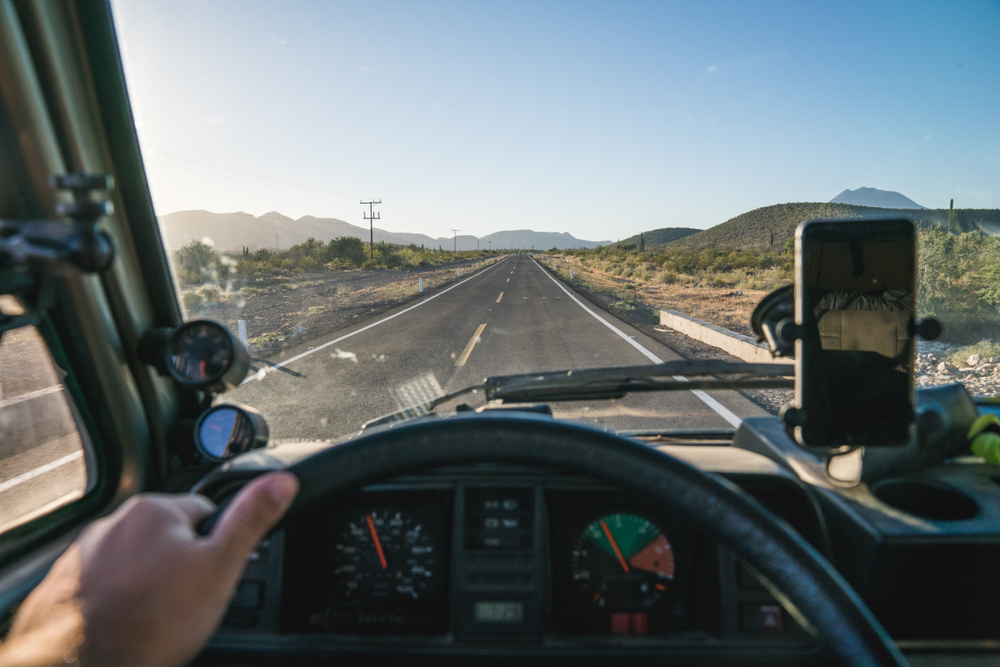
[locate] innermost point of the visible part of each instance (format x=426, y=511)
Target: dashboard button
x=762, y=618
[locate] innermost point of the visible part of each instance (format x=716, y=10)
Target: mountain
x=875, y=198
x=526, y=238
x=233, y=231
x=771, y=226
x=662, y=236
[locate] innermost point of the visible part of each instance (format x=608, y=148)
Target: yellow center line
x=511, y=273
x=508, y=280
x=499, y=297
x=472, y=343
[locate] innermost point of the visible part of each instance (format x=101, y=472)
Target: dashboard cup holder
x=926, y=499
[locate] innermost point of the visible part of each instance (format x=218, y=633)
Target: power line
x=174, y=156
x=371, y=217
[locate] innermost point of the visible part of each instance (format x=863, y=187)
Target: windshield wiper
x=603, y=383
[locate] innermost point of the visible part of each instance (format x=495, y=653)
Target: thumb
x=253, y=512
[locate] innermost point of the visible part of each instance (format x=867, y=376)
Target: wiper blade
x=614, y=382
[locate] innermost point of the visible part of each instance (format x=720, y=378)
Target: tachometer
x=624, y=563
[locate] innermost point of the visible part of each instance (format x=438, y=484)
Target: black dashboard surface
x=538, y=562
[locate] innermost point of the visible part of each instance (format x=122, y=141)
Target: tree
x=195, y=263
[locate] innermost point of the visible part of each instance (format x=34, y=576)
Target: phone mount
x=849, y=322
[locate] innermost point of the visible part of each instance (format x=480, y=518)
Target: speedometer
x=386, y=558
x=382, y=568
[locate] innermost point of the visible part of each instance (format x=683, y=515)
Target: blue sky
x=598, y=119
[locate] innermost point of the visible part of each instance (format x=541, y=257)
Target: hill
x=233, y=231
x=771, y=226
x=875, y=198
x=662, y=236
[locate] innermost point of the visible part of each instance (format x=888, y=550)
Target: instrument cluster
x=484, y=560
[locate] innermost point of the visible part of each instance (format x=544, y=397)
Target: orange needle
x=614, y=545
x=378, y=543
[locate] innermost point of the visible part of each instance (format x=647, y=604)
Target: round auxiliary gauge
x=205, y=355
x=223, y=431
x=623, y=562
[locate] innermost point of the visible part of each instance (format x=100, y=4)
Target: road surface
x=511, y=316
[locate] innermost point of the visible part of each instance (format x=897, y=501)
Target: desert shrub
x=987, y=348
x=191, y=300
x=210, y=293
x=667, y=277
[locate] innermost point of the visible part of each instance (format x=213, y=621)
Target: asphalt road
x=41, y=454
x=510, y=317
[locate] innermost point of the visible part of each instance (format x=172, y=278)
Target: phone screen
x=855, y=302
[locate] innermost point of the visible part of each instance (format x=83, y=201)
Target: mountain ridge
x=234, y=231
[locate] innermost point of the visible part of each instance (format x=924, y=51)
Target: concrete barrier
x=738, y=345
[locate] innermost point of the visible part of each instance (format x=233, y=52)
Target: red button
x=639, y=623
x=620, y=624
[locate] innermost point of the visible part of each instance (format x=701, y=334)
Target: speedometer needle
x=614, y=545
x=378, y=543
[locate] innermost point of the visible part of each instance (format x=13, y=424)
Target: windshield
x=392, y=201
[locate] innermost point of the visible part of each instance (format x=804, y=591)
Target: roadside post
x=420, y=285
x=571, y=274
x=242, y=327
x=459, y=271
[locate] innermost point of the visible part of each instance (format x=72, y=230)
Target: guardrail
x=738, y=345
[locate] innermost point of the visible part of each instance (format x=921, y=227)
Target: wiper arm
x=597, y=383
x=615, y=382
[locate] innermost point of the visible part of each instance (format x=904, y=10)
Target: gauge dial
x=386, y=560
x=201, y=352
x=623, y=562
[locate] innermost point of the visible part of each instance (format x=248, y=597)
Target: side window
x=42, y=458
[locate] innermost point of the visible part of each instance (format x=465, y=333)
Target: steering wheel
x=845, y=627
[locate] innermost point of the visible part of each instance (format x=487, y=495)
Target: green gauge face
x=623, y=562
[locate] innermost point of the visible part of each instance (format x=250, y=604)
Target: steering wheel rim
x=846, y=627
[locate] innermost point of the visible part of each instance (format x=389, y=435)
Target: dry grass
x=723, y=306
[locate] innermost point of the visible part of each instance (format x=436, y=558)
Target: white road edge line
x=41, y=470
x=719, y=408
x=262, y=373
x=14, y=400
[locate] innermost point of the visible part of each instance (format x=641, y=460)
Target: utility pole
x=276, y=242
x=491, y=245
x=456, y=239
x=371, y=218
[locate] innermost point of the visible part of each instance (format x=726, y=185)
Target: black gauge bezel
x=229, y=378
x=261, y=431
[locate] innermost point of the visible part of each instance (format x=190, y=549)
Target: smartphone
x=855, y=305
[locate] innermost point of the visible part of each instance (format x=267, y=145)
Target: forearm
x=57, y=641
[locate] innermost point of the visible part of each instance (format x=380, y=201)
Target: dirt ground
x=726, y=307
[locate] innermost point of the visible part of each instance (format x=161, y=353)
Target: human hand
x=140, y=586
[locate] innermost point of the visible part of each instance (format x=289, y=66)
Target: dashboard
x=520, y=557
